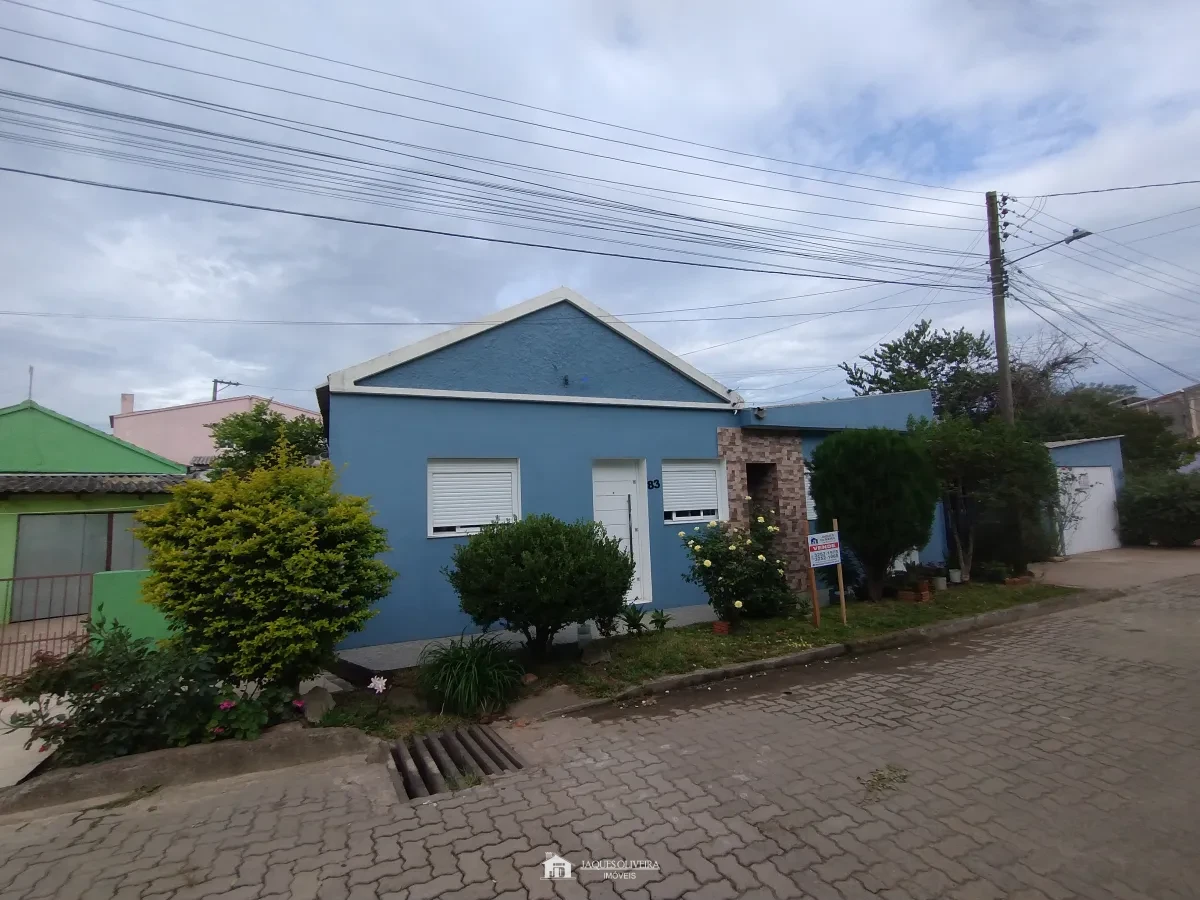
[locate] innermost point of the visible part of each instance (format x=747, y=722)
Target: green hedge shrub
x=1161, y=508
x=882, y=488
x=267, y=572
x=540, y=574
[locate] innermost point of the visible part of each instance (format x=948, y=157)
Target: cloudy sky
x=866, y=134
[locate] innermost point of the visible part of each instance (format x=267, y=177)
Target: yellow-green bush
x=265, y=572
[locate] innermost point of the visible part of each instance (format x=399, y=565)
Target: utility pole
x=999, y=289
x=217, y=381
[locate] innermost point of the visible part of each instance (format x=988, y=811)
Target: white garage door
x=1094, y=525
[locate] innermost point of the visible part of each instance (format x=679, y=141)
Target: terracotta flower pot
x=907, y=596
x=721, y=627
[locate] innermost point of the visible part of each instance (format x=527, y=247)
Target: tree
x=245, y=440
x=265, y=572
x=990, y=469
x=1147, y=442
x=540, y=574
x=881, y=487
x=958, y=368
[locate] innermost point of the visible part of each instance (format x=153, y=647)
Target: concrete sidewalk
x=15, y=761
x=1127, y=567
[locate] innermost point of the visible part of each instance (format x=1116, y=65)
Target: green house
x=67, y=498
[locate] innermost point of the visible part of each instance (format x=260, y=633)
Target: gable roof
x=255, y=398
x=152, y=463
x=346, y=380
x=1108, y=437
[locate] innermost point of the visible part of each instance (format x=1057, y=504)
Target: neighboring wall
x=381, y=444
x=182, y=432
x=1100, y=452
x=117, y=597
x=814, y=422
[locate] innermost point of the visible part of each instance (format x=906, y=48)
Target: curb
x=909, y=636
x=278, y=748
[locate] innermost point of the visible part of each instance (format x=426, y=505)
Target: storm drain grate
x=450, y=760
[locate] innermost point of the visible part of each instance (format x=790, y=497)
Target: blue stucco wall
x=1105, y=452
x=381, y=445
x=559, y=350
x=825, y=417
x=875, y=411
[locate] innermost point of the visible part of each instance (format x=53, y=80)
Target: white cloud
x=1029, y=98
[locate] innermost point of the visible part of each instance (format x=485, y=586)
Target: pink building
x=180, y=433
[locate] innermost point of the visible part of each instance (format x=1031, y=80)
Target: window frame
x=110, y=527
x=509, y=465
x=721, y=513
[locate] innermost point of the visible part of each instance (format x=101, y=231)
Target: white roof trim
x=1052, y=445
x=345, y=380
x=529, y=398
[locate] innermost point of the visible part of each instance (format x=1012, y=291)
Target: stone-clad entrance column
x=769, y=466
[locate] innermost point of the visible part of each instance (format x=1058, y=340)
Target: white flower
x=691, y=543
x=748, y=497
x=378, y=684
x=737, y=604
x=712, y=524
x=761, y=558
x=697, y=528
x=772, y=512
x=708, y=564
x=682, y=533
x=761, y=520
x=780, y=571
x=733, y=546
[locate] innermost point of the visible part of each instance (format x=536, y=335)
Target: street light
x=999, y=278
x=1073, y=236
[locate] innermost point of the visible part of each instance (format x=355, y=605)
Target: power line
x=479, y=131
x=438, y=232
x=331, y=133
x=1177, y=212
x=903, y=266
x=519, y=104
x=1100, y=330
x=461, y=108
x=1109, y=190
x=376, y=323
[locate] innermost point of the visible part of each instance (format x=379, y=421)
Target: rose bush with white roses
x=739, y=568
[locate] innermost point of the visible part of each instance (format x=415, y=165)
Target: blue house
x=554, y=406
x=1091, y=473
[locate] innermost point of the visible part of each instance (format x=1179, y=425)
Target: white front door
x=619, y=504
x=1091, y=509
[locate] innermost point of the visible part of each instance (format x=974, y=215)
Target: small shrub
x=740, y=569
x=118, y=695
x=265, y=573
x=469, y=676
x=1161, y=508
x=540, y=574
x=634, y=619
x=244, y=715
x=660, y=619
x=606, y=625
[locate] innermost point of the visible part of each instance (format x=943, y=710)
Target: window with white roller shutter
x=694, y=490
x=466, y=494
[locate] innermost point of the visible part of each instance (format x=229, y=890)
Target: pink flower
x=217, y=729
x=226, y=704
x=43, y=748
x=298, y=703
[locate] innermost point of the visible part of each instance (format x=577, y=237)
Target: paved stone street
x=1051, y=759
